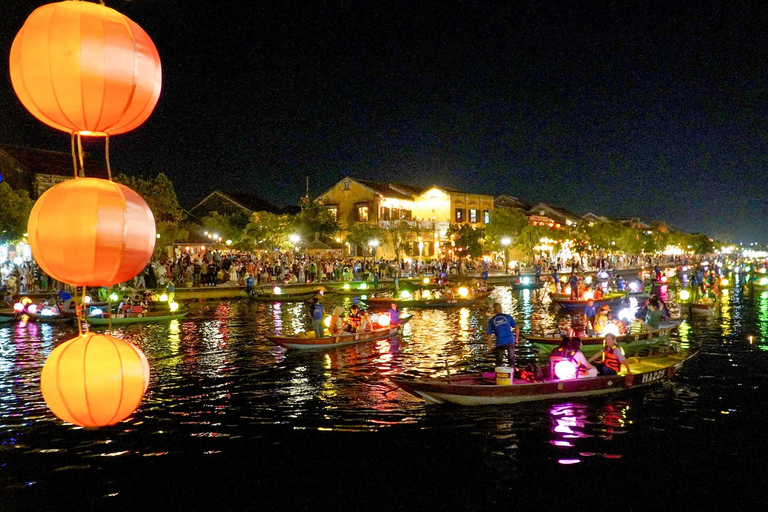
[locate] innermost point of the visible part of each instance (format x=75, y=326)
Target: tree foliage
x=466, y=240
x=362, y=234
x=267, y=231
x=315, y=221
x=15, y=206
x=505, y=223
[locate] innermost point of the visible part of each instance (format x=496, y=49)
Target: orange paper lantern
x=85, y=68
x=91, y=232
x=94, y=380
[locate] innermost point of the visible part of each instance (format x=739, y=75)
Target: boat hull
x=472, y=390
x=147, y=318
x=567, y=303
x=427, y=303
x=340, y=340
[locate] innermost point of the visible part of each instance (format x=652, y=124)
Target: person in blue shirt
x=318, y=312
x=590, y=311
x=573, y=282
x=502, y=325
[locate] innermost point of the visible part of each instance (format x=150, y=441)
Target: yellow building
x=426, y=212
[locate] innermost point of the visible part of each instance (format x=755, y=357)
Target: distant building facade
x=428, y=211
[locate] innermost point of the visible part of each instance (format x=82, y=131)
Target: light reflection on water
x=217, y=384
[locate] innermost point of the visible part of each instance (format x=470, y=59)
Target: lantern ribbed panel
x=94, y=380
x=91, y=232
x=83, y=67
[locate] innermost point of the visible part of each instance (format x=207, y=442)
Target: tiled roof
x=56, y=163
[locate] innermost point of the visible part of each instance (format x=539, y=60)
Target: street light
x=505, y=242
x=294, y=239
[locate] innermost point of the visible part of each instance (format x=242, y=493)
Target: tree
x=362, y=234
x=397, y=235
x=315, y=221
x=505, y=223
x=15, y=206
x=529, y=238
x=268, y=231
x=466, y=240
x=228, y=227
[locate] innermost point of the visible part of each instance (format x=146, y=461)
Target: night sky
x=649, y=109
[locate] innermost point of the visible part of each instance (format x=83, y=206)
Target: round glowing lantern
x=91, y=232
x=384, y=320
x=463, y=291
x=565, y=370
x=94, y=380
x=84, y=68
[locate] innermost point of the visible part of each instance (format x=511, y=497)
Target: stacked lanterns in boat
x=88, y=70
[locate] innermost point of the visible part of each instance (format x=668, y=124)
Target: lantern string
x=109, y=306
x=106, y=153
x=80, y=155
x=74, y=154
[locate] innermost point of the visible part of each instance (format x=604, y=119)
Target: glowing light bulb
x=565, y=370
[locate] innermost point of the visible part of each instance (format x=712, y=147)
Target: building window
x=473, y=215
x=362, y=213
x=395, y=213
x=346, y=184
x=384, y=213
x=486, y=216
x=405, y=214
x=460, y=216
x=334, y=211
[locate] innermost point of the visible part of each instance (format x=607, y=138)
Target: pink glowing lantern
x=565, y=370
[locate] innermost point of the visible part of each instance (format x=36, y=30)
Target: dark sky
x=650, y=109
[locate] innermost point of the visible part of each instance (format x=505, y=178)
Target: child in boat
x=365, y=322
x=353, y=321
x=583, y=368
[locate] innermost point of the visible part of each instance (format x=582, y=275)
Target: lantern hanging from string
x=94, y=380
x=84, y=68
x=91, y=232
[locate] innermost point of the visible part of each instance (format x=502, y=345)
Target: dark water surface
x=231, y=422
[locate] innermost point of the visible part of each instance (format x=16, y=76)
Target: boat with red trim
x=308, y=341
x=481, y=389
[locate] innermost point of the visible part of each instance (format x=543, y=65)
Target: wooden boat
x=702, y=308
x=441, y=302
x=591, y=344
x=481, y=389
x=361, y=288
x=57, y=318
x=131, y=318
x=308, y=341
x=269, y=295
x=566, y=302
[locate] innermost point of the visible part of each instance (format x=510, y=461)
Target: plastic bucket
x=504, y=375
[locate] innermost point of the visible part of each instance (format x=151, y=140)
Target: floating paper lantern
x=94, y=380
x=84, y=68
x=91, y=232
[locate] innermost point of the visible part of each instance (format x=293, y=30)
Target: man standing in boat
x=501, y=325
x=318, y=312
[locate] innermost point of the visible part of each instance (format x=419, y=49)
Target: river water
x=231, y=422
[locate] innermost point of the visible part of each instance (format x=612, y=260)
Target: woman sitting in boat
x=562, y=350
x=583, y=368
x=337, y=322
x=394, y=314
x=598, y=295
